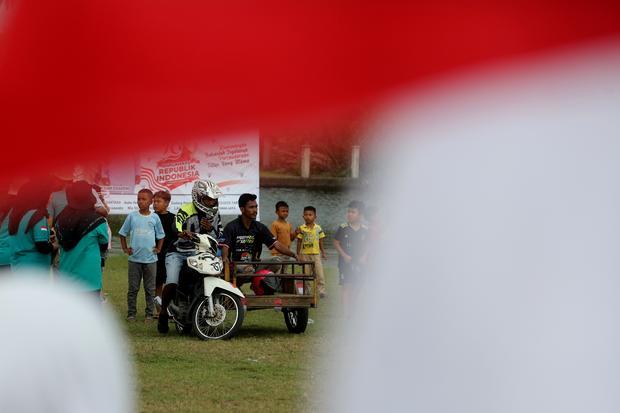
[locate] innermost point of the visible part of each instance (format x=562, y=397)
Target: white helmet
x=204, y=188
x=206, y=262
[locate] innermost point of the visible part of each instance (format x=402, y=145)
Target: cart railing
x=292, y=296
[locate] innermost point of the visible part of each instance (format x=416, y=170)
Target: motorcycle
x=205, y=303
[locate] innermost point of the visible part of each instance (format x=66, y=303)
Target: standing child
x=281, y=228
x=161, y=201
x=350, y=242
x=310, y=246
x=143, y=227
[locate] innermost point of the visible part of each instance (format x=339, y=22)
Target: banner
x=233, y=163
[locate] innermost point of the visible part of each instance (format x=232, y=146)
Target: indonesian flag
x=89, y=80
x=496, y=286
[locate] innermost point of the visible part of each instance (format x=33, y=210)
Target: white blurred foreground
x=498, y=284
x=60, y=352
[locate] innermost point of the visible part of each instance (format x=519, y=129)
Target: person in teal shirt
x=82, y=235
x=29, y=233
x=5, y=246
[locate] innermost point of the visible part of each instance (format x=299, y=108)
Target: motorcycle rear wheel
x=226, y=321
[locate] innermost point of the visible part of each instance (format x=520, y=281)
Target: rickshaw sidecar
x=296, y=295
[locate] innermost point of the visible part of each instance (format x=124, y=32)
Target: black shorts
x=350, y=274
x=160, y=277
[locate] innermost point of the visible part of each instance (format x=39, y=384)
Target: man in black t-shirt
x=245, y=236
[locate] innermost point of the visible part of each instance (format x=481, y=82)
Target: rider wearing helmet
x=202, y=214
x=199, y=216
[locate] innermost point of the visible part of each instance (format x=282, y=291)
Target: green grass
x=263, y=368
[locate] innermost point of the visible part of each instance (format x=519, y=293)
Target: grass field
x=263, y=368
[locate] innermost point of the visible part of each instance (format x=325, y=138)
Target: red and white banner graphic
x=231, y=162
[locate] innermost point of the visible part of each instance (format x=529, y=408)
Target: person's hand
x=54, y=243
x=323, y=255
x=206, y=224
x=185, y=234
x=297, y=231
x=156, y=250
x=128, y=251
x=347, y=258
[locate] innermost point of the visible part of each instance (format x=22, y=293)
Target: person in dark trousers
x=161, y=202
x=146, y=234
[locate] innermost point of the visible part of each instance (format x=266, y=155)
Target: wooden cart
x=298, y=293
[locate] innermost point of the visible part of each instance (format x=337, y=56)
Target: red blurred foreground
x=93, y=79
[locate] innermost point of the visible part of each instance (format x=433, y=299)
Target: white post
x=305, y=161
x=355, y=162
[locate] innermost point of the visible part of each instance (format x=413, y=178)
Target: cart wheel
x=296, y=319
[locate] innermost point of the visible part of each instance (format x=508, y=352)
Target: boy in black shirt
x=351, y=243
x=161, y=201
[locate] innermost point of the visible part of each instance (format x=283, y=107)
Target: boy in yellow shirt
x=310, y=246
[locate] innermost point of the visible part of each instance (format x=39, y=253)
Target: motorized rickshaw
x=214, y=307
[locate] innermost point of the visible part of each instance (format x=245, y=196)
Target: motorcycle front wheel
x=225, y=321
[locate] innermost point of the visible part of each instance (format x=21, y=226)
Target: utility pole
x=355, y=162
x=305, y=161
x=266, y=153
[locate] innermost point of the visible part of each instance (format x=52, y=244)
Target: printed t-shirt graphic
x=310, y=237
x=143, y=230
x=245, y=243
